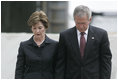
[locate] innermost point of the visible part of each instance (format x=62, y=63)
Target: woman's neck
x=39, y=40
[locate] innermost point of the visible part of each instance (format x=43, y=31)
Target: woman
x=35, y=59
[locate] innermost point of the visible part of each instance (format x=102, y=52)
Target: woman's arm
x=20, y=64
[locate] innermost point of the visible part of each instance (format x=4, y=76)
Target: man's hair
x=82, y=11
x=38, y=16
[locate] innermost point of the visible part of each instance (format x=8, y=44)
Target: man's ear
x=90, y=19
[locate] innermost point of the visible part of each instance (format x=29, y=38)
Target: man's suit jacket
x=96, y=62
x=35, y=62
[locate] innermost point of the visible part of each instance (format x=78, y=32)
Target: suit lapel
x=75, y=43
x=90, y=41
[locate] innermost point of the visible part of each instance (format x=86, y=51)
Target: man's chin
x=81, y=30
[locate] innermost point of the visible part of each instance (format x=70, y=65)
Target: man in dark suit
x=84, y=51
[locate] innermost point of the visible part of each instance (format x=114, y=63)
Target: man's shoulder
x=97, y=29
x=68, y=31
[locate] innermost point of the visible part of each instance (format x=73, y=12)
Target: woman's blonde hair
x=36, y=17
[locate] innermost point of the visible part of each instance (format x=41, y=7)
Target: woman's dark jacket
x=34, y=62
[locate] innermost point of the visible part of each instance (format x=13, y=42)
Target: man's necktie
x=82, y=44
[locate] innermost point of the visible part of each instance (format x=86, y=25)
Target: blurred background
x=16, y=13
x=14, y=28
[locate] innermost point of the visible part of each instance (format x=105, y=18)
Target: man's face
x=82, y=23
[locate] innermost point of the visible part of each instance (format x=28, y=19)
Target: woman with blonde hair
x=36, y=56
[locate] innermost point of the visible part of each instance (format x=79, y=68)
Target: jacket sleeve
x=20, y=64
x=105, y=58
x=60, y=59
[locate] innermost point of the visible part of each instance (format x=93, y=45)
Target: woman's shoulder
x=54, y=41
x=26, y=42
x=49, y=40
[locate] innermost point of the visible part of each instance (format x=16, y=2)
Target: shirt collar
x=47, y=41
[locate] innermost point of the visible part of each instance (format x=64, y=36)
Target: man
x=84, y=51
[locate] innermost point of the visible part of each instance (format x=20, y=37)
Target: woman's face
x=38, y=30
